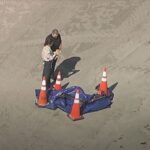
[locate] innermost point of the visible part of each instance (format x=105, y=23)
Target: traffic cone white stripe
x=104, y=73
x=44, y=82
x=76, y=101
x=43, y=88
x=77, y=96
x=59, y=77
x=104, y=79
x=58, y=82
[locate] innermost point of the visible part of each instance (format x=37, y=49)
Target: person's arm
x=60, y=46
x=48, y=40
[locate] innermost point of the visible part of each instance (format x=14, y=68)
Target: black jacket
x=54, y=42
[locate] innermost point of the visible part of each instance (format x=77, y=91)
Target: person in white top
x=46, y=53
x=48, y=56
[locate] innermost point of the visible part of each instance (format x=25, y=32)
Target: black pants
x=53, y=69
x=48, y=71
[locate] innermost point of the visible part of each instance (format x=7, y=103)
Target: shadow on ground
x=67, y=67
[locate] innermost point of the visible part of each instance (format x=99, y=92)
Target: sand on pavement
x=95, y=33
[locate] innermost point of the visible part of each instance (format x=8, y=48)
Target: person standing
x=55, y=43
x=47, y=57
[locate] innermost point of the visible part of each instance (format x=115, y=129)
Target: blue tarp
x=64, y=99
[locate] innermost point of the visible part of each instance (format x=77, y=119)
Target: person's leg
x=53, y=69
x=47, y=73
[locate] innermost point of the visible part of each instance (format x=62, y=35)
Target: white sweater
x=46, y=55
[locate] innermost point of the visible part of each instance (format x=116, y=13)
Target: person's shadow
x=67, y=67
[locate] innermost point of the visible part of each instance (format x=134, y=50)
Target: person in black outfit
x=55, y=42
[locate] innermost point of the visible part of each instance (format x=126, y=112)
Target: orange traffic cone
x=42, y=101
x=103, y=88
x=75, y=112
x=57, y=85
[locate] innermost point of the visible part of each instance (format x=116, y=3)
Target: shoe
x=51, y=80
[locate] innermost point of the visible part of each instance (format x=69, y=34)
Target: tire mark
x=136, y=17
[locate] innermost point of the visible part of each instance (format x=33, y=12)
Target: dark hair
x=48, y=41
x=55, y=31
